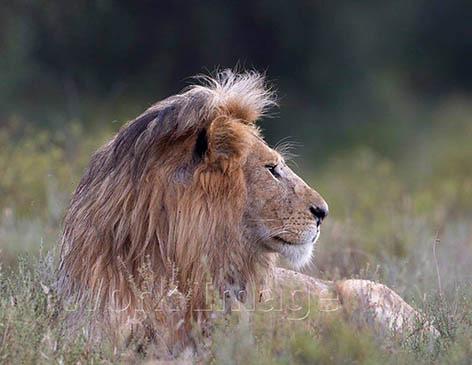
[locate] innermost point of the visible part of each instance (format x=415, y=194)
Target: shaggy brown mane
x=167, y=193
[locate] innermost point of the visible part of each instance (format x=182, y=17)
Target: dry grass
x=405, y=223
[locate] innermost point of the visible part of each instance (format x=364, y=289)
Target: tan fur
x=364, y=303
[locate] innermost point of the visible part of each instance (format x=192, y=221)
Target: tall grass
x=404, y=221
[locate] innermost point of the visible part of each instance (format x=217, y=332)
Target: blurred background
x=375, y=97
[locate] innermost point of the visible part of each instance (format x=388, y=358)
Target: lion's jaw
x=297, y=255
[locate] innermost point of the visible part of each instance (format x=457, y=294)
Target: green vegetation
x=403, y=220
x=378, y=94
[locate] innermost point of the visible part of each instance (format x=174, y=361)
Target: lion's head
x=189, y=184
x=282, y=213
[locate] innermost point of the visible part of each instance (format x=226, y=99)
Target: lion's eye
x=273, y=169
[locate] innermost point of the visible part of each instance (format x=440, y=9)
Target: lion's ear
x=222, y=143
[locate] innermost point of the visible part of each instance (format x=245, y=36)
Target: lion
x=192, y=192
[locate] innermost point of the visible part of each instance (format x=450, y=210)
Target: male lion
x=190, y=193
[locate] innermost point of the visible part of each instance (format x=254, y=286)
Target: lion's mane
x=167, y=193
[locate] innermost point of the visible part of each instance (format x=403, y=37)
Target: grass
x=31, y=331
x=403, y=221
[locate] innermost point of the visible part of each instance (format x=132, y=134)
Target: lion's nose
x=319, y=212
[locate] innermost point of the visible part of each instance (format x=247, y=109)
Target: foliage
x=386, y=216
x=377, y=93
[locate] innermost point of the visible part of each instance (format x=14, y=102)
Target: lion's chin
x=296, y=255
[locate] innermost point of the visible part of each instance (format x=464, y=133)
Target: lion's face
x=283, y=213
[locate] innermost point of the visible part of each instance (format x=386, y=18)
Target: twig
x=438, y=274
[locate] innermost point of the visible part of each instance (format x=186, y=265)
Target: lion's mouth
x=281, y=240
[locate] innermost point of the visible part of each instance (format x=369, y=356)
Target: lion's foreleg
x=362, y=301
